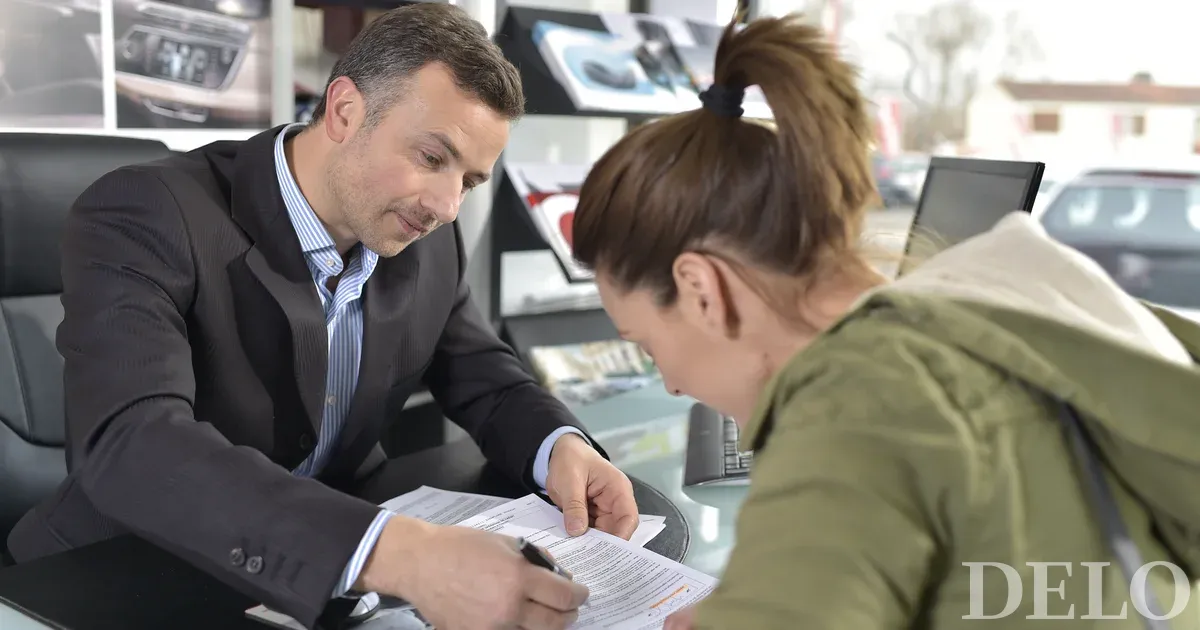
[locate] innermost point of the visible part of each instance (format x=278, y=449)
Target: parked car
x=891, y=193
x=1141, y=225
x=909, y=171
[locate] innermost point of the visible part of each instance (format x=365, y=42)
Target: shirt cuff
x=541, y=463
x=359, y=559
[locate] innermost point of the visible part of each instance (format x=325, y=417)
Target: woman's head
x=721, y=243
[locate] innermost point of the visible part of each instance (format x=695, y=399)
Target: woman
x=906, y=431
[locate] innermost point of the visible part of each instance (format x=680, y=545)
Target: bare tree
x=814, y=12
x=1021, y=45
x=944, y=46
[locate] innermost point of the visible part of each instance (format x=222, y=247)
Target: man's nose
x=443, y=204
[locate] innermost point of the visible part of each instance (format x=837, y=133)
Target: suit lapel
x=276, y=261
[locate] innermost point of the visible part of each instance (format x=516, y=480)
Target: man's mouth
x=411, y=228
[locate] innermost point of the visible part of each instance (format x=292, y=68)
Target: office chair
x=40, y=177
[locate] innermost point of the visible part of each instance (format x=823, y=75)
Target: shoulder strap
x=1111, y=523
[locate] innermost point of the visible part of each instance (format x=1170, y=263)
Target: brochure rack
x=512, y=230
x=362, y=4
x=578, y=64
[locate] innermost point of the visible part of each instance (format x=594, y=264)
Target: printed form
x=630, y=588
x=443, y=507
x=604, y=563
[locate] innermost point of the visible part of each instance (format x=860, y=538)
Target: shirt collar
x=312, y=234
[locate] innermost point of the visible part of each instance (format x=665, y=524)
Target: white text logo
x=1042, y=590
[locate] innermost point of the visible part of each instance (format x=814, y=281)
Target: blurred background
x=1105, y=94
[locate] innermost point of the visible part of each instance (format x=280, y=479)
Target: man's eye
x=433, y=160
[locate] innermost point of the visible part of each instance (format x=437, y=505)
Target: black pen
x=537, y=557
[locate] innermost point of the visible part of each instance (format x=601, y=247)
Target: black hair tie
x=724, y=101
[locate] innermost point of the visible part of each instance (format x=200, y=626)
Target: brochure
x=550, y=193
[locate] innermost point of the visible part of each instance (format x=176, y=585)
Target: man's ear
x=703, y=294
x=344, y=109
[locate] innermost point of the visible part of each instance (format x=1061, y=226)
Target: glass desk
x=13, y=620
x=645, y=434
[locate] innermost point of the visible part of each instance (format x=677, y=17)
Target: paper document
x=443, y=507
x=631, y=588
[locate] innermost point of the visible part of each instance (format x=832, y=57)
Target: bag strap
x=1111, y=523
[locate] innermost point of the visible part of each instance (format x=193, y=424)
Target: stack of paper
x=630, y=588
x=443, y=507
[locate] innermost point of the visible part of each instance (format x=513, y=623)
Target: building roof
x=1141, y=92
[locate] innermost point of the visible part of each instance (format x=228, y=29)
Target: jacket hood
x=1051, y=317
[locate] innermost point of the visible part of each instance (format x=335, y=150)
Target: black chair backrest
x=41, y=175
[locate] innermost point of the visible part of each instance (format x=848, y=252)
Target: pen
x=535, y=556
x=539, y=558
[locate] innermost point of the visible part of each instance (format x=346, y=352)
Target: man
x=241, y=321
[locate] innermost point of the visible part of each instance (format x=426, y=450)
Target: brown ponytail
x=785, y=197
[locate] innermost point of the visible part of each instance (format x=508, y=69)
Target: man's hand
x=466, y=578
x=590, y=490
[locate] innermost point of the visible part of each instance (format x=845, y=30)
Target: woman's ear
x=703, y=298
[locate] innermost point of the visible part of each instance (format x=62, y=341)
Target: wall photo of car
x=50, y=64
x=192, y=63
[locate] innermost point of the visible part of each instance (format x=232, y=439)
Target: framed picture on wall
x=50, y=64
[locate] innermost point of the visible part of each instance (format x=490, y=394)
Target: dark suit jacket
x=195, y=356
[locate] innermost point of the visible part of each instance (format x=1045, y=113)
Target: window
x=1045, y=122
x=1129, y=125
x=1133, y=213
x=1137, y=125
x=1196, y=134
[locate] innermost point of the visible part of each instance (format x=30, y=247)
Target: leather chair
x=40, y=177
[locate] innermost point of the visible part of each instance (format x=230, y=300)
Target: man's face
x=404, y=177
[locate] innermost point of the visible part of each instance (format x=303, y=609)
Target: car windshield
x=1150, y=213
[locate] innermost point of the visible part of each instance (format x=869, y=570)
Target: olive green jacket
x=922, y=433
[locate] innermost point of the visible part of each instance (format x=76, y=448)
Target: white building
x=1085, y=122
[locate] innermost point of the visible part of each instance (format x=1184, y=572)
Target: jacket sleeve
x=836, y=531
x=483, y=387
x=134, y=445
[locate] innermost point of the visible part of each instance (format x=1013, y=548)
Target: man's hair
x=400, y=42
x=786, y=197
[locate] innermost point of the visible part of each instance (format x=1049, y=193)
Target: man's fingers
x=553, y=591
x=625, y=514
x=535, y=616
x=619, y=527
x=626, y=526
x=575, y=509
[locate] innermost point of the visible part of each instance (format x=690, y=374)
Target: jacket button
x=306, y=442
x=237, y=557
x=254, y=565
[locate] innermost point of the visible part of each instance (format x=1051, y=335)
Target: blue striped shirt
x=344, y=322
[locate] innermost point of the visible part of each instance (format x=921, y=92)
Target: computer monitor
x=964, y=197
